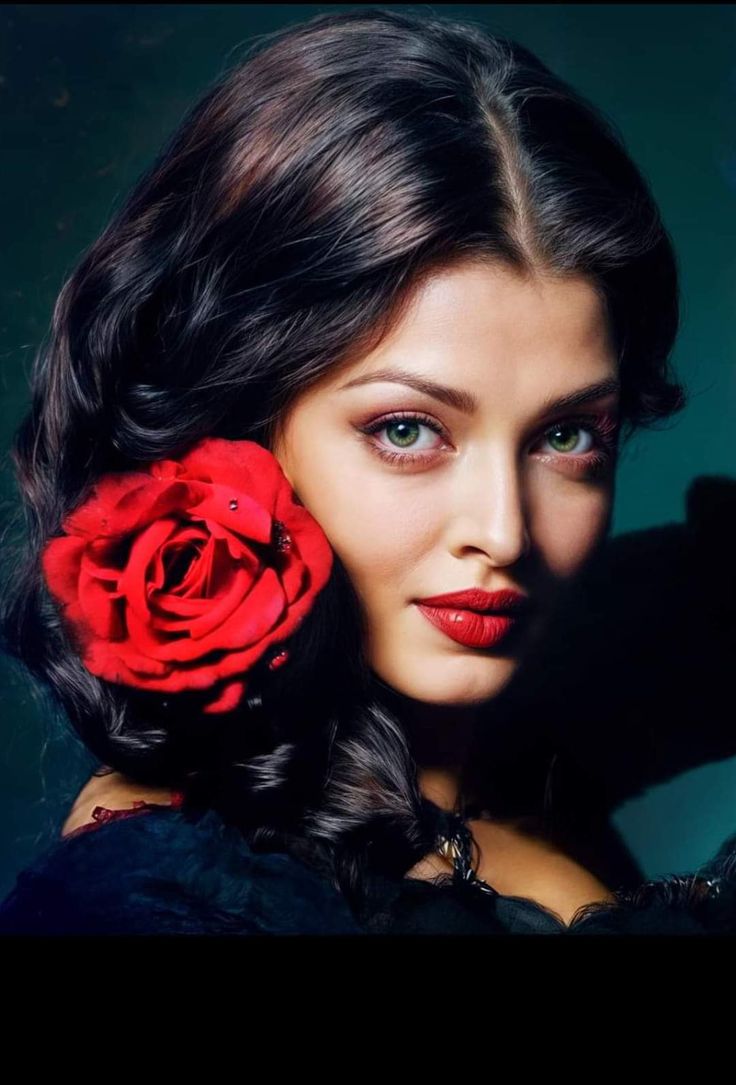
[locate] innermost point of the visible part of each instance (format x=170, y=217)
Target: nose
x=487, y=513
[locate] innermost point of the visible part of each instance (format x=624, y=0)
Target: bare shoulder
x=113, y=791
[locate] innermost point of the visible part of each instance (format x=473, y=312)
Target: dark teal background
x=88, y=94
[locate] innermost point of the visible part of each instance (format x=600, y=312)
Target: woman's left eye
x=566, y=438
x=585, y=444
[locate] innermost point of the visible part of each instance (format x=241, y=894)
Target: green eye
x=402, y=431
x=408, y=428
x=564, y=438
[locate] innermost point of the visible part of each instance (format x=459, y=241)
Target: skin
x=495, y=502
x=113, y=791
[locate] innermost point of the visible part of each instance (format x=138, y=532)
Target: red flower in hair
x=182, y=574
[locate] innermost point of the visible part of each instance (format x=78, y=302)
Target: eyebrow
x=465, y=402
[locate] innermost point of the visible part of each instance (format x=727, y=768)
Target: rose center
x=177, y=562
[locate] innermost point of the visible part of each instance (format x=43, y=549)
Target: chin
x=457, y=679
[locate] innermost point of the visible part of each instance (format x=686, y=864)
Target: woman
x=321, y=446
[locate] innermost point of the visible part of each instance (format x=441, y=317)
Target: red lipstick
x=475, y=618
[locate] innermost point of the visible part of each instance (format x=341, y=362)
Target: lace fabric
x=101, y=815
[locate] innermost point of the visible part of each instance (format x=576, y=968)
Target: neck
x=439, y=737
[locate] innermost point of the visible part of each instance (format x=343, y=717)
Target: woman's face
x=473, y=480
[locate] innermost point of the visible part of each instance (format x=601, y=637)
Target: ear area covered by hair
x=170, y=872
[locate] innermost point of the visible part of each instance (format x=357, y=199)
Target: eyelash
x=603, y=428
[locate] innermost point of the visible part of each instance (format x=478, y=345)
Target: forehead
x=489, y=328
x=482, y=295
x=509, y=343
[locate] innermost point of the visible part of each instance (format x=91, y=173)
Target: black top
x=167, y=870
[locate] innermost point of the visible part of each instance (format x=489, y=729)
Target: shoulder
x=170, y=871
x=112, y=791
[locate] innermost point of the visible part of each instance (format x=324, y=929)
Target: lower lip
x=469, y=628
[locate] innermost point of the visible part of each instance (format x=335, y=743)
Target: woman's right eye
x=402, y=431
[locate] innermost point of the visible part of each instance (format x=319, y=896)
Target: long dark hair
x=278, y=234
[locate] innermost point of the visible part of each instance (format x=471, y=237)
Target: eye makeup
x=603, y=428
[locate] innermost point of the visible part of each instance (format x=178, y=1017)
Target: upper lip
x=481, y=601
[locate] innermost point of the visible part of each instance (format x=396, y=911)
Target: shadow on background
x=633, y=689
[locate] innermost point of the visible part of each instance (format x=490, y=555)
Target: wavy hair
x=278, y=234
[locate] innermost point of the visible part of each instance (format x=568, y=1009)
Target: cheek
x=374, y=530
x=378, y=536
x=568, y=532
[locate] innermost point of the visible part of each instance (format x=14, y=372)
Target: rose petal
x=117, y=661
x=124, y=502
x=169, y=610
x=245, y=465
x=101, y=609
x=133, y=578
x=228, y=699
x=61, y=560
x=182, y=558
x=105, y=558
x=314, y=546
x=238, y=547
x=259, y=612
x=93, y=517
x=159, y=500
x=249, y=519
x=199, y=576
x=294, y=579
x=222, y=607
x=165, y=556
x=166, y=469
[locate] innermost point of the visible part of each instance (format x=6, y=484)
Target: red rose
x=184, y=573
